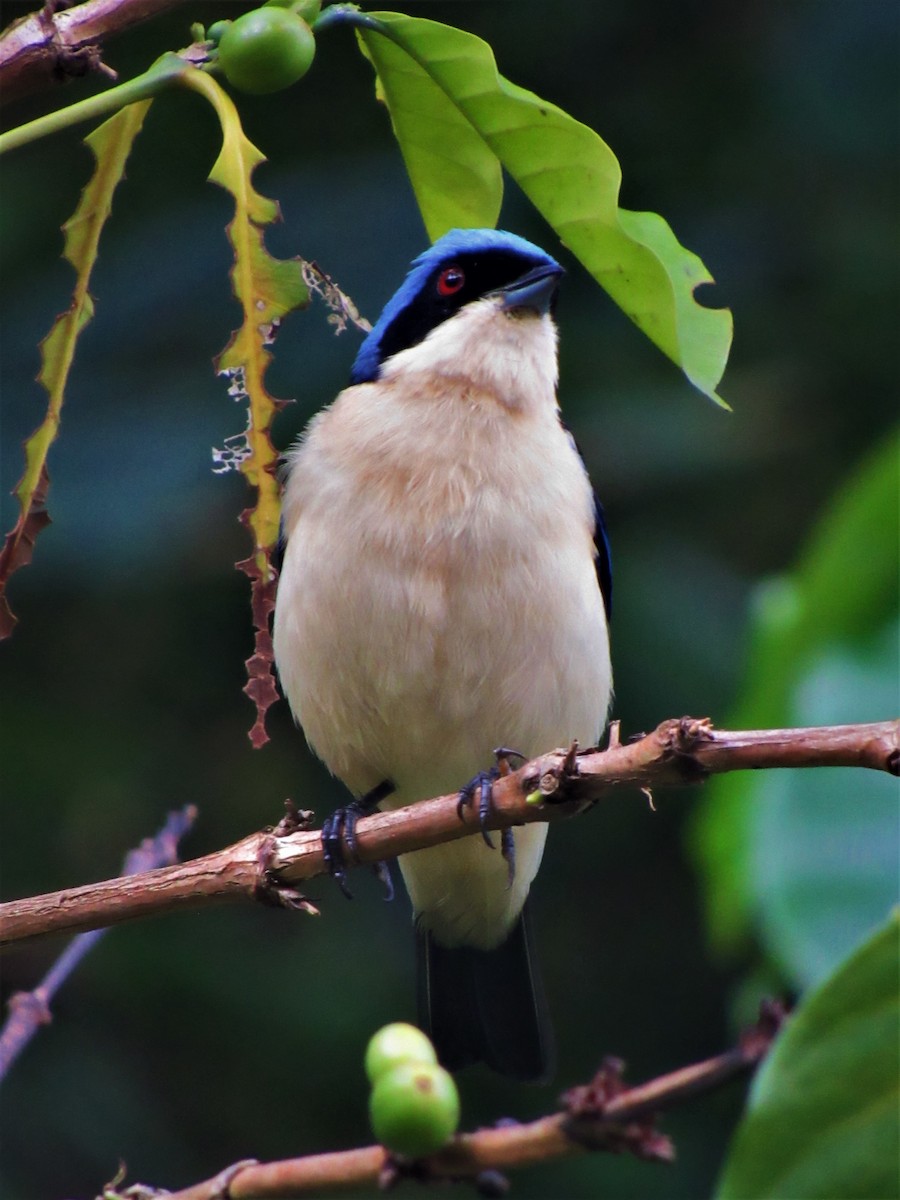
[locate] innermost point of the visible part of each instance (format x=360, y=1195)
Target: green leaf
x=110, y=144
x=822, y=650
x=564, y=167
x=822, y=1116
x=268, y=289
x=455, y=176
x=823, y=846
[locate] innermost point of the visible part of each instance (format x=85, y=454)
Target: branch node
x=268, y=888
x=589, y=1125
x=32, y=1007
x=220, y=1187
x=591, y=1099
x=755, y=1041
x=555, y=778
x=295, y=820
x=680, y=739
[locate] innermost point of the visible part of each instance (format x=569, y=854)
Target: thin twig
x=602, y=1115
x=268, y=867
x=29, y=1010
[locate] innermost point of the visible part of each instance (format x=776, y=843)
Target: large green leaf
x=822, y=650
x=564, y=167
x=822, y=1116
x=457, y=179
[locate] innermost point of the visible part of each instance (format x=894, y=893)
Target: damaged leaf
x=267, y=289
x=111, y=144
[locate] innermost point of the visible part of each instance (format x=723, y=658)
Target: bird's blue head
x=462, y=266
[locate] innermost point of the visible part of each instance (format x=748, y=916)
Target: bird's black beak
x=536, y=290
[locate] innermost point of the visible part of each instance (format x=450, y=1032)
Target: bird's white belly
x=401, y=669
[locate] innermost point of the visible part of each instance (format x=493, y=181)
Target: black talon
x=339, y=836
x=505, y=752
x=383, y=871
x=482, y=783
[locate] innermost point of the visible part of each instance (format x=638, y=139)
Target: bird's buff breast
x=434, y=605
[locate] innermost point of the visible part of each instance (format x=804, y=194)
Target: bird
x=444, y=593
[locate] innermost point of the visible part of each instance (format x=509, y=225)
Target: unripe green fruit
x=395, y=1044
x=307, y=9
x=215, y=31
x=414, y=1108
x=266, y=50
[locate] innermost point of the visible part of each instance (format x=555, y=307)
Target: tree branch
x=57, y=44
x=603, y=1115
x=268, y=865
x=29, y=1010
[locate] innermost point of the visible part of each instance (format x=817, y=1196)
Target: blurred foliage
x=764, y=134
x=822, y=1117
x=812, y=858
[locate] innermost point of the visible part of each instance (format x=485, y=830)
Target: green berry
x=215, y=31
x=395, y=1044
x=266, y=50
x=307, y=9
x=414, y=1109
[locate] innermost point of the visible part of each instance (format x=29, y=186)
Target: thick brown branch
x=266, y=866
x=51, y=47
x=603, y=1115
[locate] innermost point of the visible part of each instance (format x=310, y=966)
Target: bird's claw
x=339, y=838
x=482, y=783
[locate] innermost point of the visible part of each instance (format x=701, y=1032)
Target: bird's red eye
x=450, y=281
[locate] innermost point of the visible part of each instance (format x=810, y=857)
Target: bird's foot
x=339, y=837
x=482, y=784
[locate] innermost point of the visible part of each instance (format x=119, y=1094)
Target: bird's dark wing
x=603, y=559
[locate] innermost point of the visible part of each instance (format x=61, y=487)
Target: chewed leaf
x=456, y=177
x=564, y=167
x=268, y=289
x=111, y=144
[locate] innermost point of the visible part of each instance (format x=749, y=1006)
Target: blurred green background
x=768, y=136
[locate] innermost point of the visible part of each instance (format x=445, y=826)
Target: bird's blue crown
x=411, y=313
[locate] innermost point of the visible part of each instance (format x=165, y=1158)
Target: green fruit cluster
x=268, y=48
x=414, y=1105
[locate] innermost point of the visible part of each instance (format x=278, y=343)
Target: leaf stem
x=160, y=75
x=345, y=14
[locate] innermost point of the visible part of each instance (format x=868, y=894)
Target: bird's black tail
x=486, y=1005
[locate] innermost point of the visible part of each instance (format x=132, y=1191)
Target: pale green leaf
x=457, y=179
x=822, y=1117
x=822, y=650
